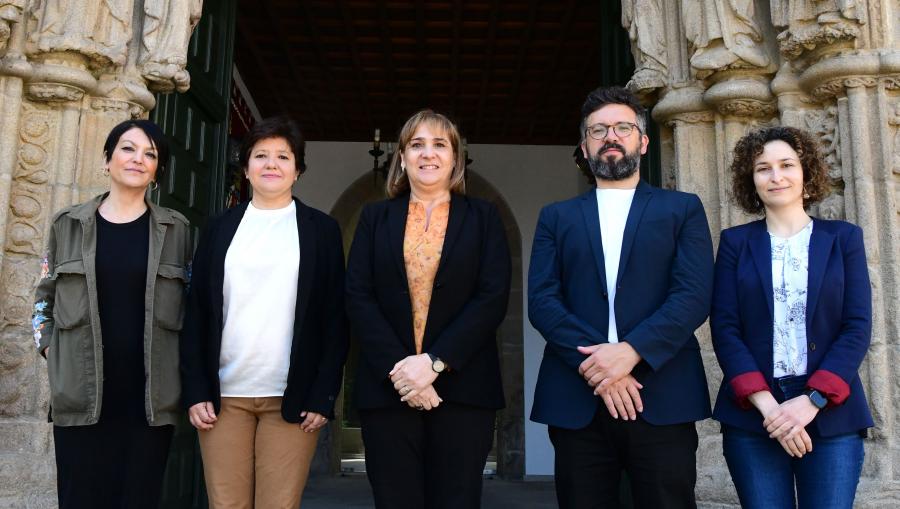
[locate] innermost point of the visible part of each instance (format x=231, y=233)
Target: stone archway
x=510, y=421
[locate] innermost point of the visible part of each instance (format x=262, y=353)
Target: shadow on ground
x=352, y=491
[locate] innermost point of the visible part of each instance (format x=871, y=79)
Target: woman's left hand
x=790, y=417
x=312, y=421
x=412, y=375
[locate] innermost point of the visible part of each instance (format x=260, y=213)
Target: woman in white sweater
x=264, y=341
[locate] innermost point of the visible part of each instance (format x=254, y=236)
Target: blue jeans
x=765, y=476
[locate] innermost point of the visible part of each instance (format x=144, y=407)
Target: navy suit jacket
x=838, y=321
x=468, y=302
x=663, y=292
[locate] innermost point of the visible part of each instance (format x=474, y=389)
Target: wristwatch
x=437, y=365
x=818, y=400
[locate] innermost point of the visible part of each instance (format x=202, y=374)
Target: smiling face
x=778, y=176
x=272, y=169
x=428, y=159
x=133, y=161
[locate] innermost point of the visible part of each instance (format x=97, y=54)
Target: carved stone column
x=860, y=90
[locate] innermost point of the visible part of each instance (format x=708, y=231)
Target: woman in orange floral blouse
x=427, y=286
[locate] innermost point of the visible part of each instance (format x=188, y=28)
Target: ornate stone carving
x=816, y=23
x=99, y=29
x=694, y=117
x=724, y=34
x=747, y=108
x=30, y=179
x=10, y=12
x=837, y=86
x=166, y=33
x=644, y=21
x=823, y=124
x=54, y=92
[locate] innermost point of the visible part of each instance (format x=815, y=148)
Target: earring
x=805, y=193
x=154, y=185
x=402, y=168
x=105, y=171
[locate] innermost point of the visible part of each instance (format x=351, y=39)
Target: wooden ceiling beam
x=388, y=49
x=350, y=37
x=551, y=76
x=520, y=64
x=487, y=68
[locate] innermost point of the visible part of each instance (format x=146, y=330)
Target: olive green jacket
x=66, y=316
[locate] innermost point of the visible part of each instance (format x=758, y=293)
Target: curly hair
x=816, y=184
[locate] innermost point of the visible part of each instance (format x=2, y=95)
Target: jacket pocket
x=66, y=369
x=168, y=300
x=70, y=307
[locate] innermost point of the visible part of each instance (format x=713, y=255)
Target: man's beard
x=611, y=169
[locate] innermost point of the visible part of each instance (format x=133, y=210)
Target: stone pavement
x=351, y=491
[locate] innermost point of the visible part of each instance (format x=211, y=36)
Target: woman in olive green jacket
x=107, y=313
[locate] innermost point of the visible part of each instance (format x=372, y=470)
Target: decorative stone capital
x=744, y=95
x=10, y=13
x=684, y=103
x=53, y=92
x=806, y=38
x=832, y=76
x=59, y=78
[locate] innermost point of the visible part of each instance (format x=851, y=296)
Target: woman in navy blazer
x=791, y=323
x=427, y=286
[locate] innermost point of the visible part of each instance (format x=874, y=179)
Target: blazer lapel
x=642, y=195
x=397, y=210
x=459, y=206
x=820, y=243
x=592, y=227
x=306, y=233
x=761, y=250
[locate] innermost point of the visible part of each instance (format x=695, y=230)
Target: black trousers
x=660, y=462
x=111, y=466
x=427, y=459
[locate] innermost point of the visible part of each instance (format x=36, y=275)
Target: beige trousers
x=253, y=458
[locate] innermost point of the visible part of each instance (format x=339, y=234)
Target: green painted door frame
x=196, y=123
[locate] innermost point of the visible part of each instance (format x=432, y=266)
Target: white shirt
x=613, y=206
x=259, y=296
x=790, y=278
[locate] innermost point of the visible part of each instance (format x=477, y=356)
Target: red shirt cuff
x=746, y=384
x=833, y=387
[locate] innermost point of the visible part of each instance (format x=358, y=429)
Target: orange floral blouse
x=422, y=253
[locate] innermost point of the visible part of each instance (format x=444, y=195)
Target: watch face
x=817, y=399
x=438, y=365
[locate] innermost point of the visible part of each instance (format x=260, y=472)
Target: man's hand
x=203, y=416
x=607, y=363
x=622, y=398
x=412, y=375
x=790, y=418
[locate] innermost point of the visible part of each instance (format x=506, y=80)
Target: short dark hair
x=815, y=172
x=603, y=96
x=157, y=138
x=280, y=126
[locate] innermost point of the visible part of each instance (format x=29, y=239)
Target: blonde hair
x=397, y=180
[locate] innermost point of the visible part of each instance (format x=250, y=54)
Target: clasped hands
x=787, y=422
x=412, y=378
x=608, y=370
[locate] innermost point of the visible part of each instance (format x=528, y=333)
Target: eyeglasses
x=622, y=130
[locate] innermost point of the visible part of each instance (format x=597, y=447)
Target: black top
x=121, y=266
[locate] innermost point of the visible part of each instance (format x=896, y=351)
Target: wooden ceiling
x=508, y=71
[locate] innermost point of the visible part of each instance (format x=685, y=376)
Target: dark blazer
x=662, y=296
x=471, y=292
x=320, y=341
x=838, y=322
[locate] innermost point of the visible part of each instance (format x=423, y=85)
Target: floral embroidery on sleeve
x=45, y=267
x=38, y=318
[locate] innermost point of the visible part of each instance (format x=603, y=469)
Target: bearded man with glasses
x=620, y=278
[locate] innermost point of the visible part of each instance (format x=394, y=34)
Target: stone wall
x=712, y=71
x=69, y=71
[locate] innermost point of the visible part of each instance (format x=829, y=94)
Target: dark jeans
x=110, y=465
x=660, y=462
x=765, y=476
x=427, y=459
